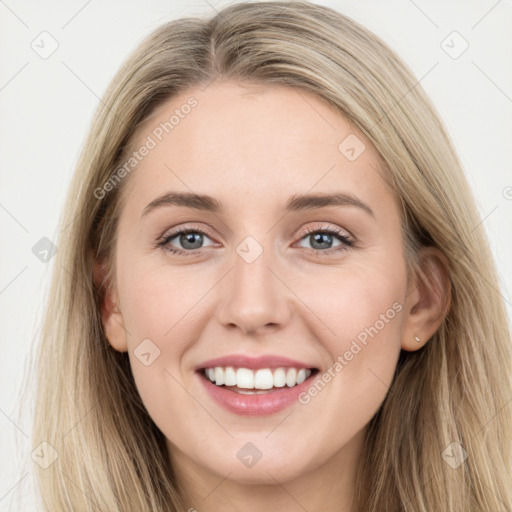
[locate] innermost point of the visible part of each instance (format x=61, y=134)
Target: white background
x=46, y=106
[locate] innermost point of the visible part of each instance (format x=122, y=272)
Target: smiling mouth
x=254, y=382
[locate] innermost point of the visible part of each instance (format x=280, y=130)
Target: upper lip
x=254, y=363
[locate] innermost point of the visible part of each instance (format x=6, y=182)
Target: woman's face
x=271, y=278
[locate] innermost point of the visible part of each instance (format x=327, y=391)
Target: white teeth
x=244, y=378
x=230, y=376
x=279, y=378
x=219, y=376
x=291, y=377
x=301, y=376
x=262, y=379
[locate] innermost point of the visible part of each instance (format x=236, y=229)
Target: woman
x=258, y=367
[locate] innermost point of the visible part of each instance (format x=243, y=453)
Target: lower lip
x=257, y=404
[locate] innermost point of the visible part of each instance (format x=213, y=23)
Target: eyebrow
x=296, y=202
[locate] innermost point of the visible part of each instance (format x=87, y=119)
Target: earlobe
x=111, y=316
x=428, y=301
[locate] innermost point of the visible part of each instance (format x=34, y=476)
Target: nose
x=254, y=298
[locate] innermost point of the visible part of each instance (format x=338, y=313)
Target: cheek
x=154, y=311
x=369, y=320
x=364, y=314
x=158, y=299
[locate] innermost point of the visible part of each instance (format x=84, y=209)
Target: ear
x=428, y=299
x=111, y=316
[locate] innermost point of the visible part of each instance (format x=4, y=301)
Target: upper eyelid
x=201, y=229
x=178, y=231
x=310, y=229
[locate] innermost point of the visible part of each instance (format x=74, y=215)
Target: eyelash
x=347, y=243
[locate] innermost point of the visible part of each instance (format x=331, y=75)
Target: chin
x=265, y=470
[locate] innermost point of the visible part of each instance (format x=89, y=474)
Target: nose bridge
x=254, y=297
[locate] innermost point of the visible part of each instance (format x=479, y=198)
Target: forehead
x=260, y=142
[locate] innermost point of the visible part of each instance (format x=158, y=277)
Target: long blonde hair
x=111, y=456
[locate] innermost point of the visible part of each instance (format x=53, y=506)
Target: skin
x=252, y=148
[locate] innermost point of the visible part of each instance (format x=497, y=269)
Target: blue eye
x=324, y=237
x=191, y=239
